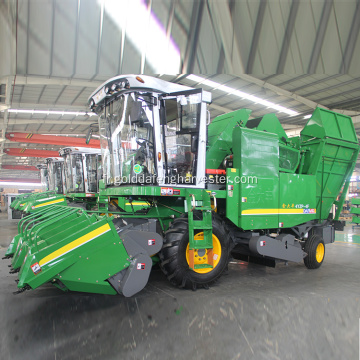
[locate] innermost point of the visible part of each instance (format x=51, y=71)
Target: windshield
x=126, y=137
x=74, y=173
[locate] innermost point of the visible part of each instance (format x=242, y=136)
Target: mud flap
x=133, y=279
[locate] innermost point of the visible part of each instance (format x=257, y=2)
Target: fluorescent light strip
x=51, y=112
x=241, y=94
x=11, y=183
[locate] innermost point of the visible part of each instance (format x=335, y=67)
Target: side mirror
x=88, y=136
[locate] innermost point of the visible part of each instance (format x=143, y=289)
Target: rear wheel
x=315, y=249
x=174, y=256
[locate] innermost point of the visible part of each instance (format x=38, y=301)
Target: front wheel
x=174, y=256
x=315, y=249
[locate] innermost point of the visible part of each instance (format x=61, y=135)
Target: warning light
x=138, y=78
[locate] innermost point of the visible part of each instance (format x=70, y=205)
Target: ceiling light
x=307, y=116
x=163, y=55
x=241, y=94
x=13, y=183
x=51, y=112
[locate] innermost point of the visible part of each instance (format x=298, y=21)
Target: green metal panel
x=269, y=123
x=233, y=195
x=328, y=124
x=297, y=203
x=82, y=261
x=331, y=149
x=220, y=136
x=256, y=154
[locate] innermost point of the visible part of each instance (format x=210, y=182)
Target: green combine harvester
x=82, y=171
x=51, y=174
x=44, y=176
x=231, y=187
x=44, y=182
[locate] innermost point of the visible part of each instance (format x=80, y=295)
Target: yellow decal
x=49, y=203
x=137, y=203
x=75, y=244
x=233, y=170
x=277, y=211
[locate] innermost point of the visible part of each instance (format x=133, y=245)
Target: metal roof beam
x=287, y=36
x=221, y=15
x=320, y=35
x=256, y=36
x=349, y=103
x=9, y=82
x=41, y=80
x=30, y=106
x=221, y=60
x=315, y=82
x=220, y=108
x=289, y=94
x=51, y=139
x=351, y=41
x=291, y=80
x=194, y=32
x=49, y=122
x=30, y=152
x=77, y=24
x=337, y=95
x=98, y=51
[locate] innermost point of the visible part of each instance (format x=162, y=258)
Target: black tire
x=173, y=255
x=311, y=246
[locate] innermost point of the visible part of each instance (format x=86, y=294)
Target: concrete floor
x=254, y=312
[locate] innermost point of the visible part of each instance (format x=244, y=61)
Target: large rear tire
x=315, y=249
x=174, y=255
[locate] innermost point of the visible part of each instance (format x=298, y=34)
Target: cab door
x=183, y=117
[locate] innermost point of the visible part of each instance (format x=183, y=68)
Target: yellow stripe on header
x=75, y=244
x=49, y=203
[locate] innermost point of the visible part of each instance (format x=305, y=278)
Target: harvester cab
x=235, y=186
x=55, y=168
x=44, y=176
x=152, y=132
x=52, y=174
x=82, y=167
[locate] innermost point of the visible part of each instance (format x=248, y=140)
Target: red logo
x=36, y=268
x=140, y=266
x=151, y=242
